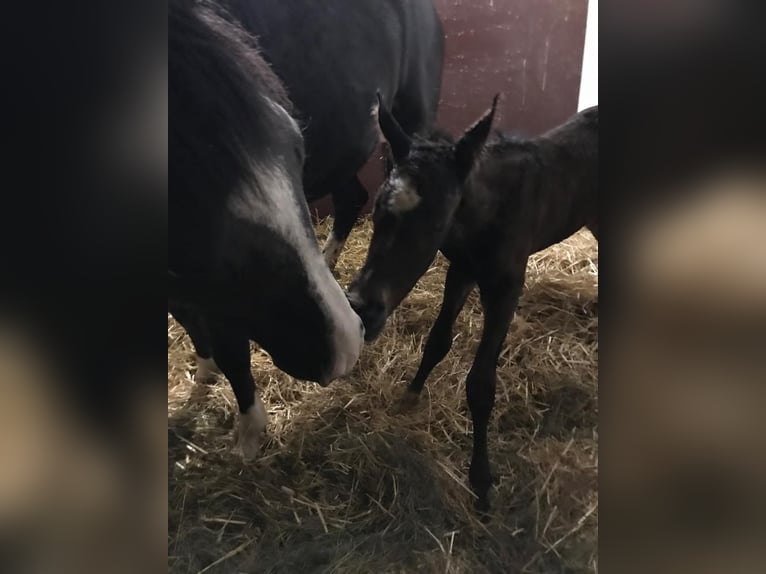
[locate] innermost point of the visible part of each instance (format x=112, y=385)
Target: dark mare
x=487, y=208
x=244, y=263
x=333, y=56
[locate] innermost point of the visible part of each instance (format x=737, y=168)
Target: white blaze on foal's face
x=403, y=196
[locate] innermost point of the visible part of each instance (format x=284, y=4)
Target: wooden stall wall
x=530, y=51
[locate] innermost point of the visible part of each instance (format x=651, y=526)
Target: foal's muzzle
x=372, y=312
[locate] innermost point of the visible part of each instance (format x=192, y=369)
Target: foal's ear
x=398, y=141
x=469, y=146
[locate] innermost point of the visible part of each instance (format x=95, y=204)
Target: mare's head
x=241, y=244
x=412, y=212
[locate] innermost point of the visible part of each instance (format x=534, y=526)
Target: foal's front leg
x=498, y=301
x=457, y=287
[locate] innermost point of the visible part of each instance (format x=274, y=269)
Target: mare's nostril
x=354, y=301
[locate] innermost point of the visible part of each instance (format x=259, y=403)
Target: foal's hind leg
x=194, y=324
x=499, y=300
x=231, y=350
x=457, y=287
x=348, y=200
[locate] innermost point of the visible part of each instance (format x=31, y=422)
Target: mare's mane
x=222, y=93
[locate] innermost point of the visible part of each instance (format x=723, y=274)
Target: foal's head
x=412, y=212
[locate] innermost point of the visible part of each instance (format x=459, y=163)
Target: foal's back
x=539, y=191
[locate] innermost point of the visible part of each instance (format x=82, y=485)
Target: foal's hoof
x=408, y=400
x=483, y=507
x=480, y=479
x=250, y=432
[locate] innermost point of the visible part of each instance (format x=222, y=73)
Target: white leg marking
x=332, y=250
x=206, y=369
x=252, y=425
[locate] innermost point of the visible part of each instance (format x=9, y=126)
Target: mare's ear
x=469, y=146
x=398, y=141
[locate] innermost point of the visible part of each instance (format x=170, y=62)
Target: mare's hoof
x=250, y=433
x=206, y=370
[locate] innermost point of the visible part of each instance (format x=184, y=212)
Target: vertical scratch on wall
x=545, y=60
x=523, y=82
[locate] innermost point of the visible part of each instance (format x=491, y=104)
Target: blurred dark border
x=682, y=92
x=683, y=98
x=83, y=228
x=83, y=236
x=84, y=214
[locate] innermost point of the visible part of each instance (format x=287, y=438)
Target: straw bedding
x=352, y=481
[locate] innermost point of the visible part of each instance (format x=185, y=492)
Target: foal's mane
x=503, y=142
x=499, y=139
x=435, y=135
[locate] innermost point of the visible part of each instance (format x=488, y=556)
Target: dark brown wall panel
x=528, y=50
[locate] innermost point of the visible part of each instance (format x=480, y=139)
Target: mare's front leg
x=194, y=324
x=457, y=287
x=231, y=350
x=499, y=299
x=348, y=200
x=593, y=228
